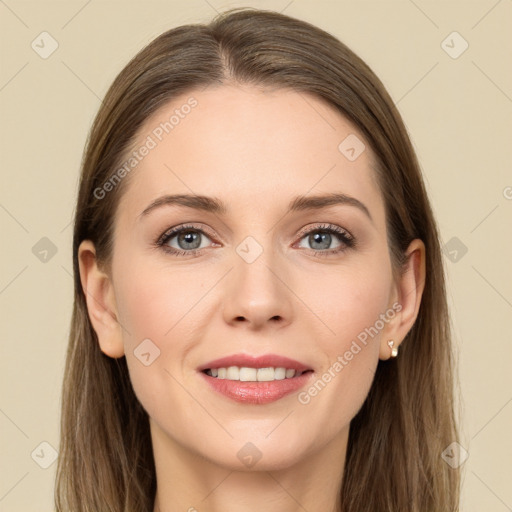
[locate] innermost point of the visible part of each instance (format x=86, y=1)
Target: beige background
x=458, y=111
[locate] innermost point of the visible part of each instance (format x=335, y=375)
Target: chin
x=260, y=454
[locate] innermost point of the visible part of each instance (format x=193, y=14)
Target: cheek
x=154, y=302
x=352, y=304
x=153, y=307
x=349, y=300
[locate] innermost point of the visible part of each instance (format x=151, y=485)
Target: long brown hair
x=396, y=440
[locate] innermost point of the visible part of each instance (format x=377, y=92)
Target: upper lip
x=263, y=361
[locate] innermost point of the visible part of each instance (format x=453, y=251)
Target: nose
x=257, y=293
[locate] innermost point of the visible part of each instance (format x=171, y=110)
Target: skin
x=255, y=150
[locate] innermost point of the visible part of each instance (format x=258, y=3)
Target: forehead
x=247, y=145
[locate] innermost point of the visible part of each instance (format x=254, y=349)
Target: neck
x=187, y=482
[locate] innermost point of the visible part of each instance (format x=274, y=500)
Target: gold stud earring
x=394, y=350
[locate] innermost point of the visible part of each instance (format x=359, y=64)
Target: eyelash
x=347, y=240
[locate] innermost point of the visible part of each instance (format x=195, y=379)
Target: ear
x=100, y=299
x=408, y=293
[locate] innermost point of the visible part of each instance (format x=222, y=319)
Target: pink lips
x=265, y=361
x=256, y=392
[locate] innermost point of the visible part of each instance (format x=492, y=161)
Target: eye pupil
x=189, y=237
x=324, y=239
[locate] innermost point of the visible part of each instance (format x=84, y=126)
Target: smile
x=246, y=374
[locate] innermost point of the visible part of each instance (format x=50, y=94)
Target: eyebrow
x=322, y=201
x=215, y=205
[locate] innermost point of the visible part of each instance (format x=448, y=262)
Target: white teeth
x=266, y=374
x=233, y=373
x=280, y=373
x=246, y=374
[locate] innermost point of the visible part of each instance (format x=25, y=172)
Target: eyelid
x=346, y=239
x=325, y=226
x=176, y=230
x=343, y=234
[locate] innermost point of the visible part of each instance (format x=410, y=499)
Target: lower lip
x=257, y=392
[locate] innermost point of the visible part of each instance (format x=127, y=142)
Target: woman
x=260, y=318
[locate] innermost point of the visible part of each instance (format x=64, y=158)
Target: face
x=259, y=270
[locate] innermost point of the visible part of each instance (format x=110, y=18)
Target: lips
x=221, y=375
x=264, y=361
